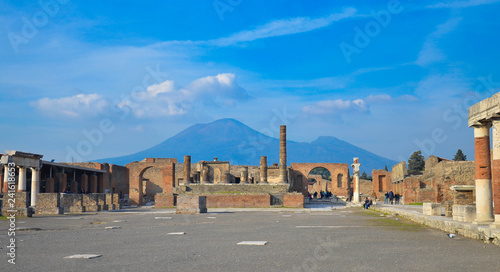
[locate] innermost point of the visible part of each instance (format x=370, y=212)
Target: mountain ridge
x=233, y=141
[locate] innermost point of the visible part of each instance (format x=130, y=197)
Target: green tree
x=460, y=156
x=365, y=176
x=416, y=163
x=386, y=168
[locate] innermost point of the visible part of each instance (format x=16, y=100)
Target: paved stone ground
x=349, y=239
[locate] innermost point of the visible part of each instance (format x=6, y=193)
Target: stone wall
x=119, y=180
x=20, y=205
x=48, y=203
x=399, y=172
x=365, y=187
x=382, y=182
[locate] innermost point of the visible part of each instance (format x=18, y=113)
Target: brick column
x=263, y=169
x=244, y=175
x=282, y=167
x=495, y=165
x=84, y=179
x=35, y=185
x=187, y=169
x=21, y=186
x=49, y=185
x=484, y=197
x=63, y=181
x=93, y=184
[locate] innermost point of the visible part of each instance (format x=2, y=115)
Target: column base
x=483, y=219
x=496, y=224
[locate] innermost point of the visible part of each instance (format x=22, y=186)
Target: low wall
x=48, y=203
x=294, y=200
x=466, y=229
x=164, y=200
x=238, y=200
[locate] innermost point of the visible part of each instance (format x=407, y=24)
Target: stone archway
x=319, y=179
x=152, y=182
x=136, y=175
x=301, y=172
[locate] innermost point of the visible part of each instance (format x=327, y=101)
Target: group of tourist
x=367, y=203
x=391, y=198
x=322, y=195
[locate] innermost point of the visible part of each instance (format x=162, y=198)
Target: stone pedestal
x=191, y=204
x=448, y=208
x=433, y=209
x=464, y=213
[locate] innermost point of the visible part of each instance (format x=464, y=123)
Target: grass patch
x=391, y=222
x=3, y=217
x=416, y=204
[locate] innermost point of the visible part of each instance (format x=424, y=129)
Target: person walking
x=391, y=196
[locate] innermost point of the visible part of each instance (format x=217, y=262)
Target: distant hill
x=233, y=141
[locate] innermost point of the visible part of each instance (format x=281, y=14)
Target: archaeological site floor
x=157, y=240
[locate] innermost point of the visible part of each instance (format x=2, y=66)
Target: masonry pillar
x=355, y=167
x=63, y=180
x=495, y=166
x=484, y=197
x=204, y=174
x=282, y=168
x=93, y=184
x=50, y=185
x=244, y=175
x=263, y=169
x=35, y=185
x=225, y=177
x=187, y=169
x=21, y=186
x=84, y=179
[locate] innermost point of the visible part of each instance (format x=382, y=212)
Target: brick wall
x=463, y=197
x=164, y=200
x=238, y=200
x=294, y=200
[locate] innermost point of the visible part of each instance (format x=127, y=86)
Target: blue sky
x=93, y=79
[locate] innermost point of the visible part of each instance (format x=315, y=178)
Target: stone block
x=48, y=203
x=191, y=204
x=293, y=200
x=464, y=213
x=48, y=211
x=448, y=208
x=74, y=209
x=433, y=209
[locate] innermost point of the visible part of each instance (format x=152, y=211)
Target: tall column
x=282, y=167
x=21, y=187
x=263, y=169
x=484, y=197
x=495, y=166
x=187, y=169
x=93, y=184
x=5, y=178
x=84, y=179
x=35, y=185
x=355, y=167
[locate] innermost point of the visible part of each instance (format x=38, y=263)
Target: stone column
x=355, y=167
x=5, y=178
x=21, y=186
x=187, y=169
x=282, y=168
x=263, y=169
x=35, y=185
x=244, y=175
x=204, y=174
x=484, y=197
x=63, y=181
x=495, y=166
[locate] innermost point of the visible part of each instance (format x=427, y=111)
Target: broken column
x=263, y=169
x=204, y=174
x=484, y=197
x=282, y=167
x=355, y=167
x=187, y=169
x=244, y=175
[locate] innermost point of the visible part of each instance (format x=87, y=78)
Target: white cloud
x=430, y=52
x=165, y=99
x=81, y=105
x=282, y=27
x=462, y=4
x=335, y=106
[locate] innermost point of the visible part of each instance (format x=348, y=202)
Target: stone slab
x=113, y=227
x=252, y=243
x=176, y=233
x=83, y=256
